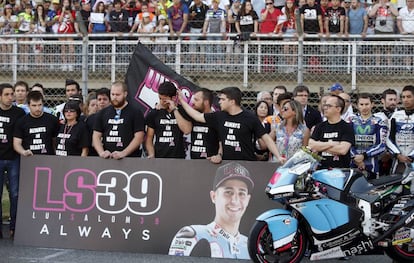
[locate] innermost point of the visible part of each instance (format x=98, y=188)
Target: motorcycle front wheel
x=261, y=248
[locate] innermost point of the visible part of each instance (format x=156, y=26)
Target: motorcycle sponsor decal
x=401, y=234
x=359, y=248
x=341, y=240
x=335, y=252
x=409, y=219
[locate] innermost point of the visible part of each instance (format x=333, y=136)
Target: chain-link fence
x=254, y=65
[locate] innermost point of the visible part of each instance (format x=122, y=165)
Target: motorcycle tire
x=401, y=253
x=260, y=245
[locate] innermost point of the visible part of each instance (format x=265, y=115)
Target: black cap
x=232, y=170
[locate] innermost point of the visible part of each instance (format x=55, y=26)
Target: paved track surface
x=11, y=253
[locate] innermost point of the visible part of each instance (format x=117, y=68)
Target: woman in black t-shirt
x=247, y=23
x=73, y=136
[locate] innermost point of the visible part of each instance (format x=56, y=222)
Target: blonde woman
x=291, y=134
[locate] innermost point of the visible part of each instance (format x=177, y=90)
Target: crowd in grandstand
x=245, y=17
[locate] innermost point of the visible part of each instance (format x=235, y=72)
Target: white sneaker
x=70, y=67
x=64, y=67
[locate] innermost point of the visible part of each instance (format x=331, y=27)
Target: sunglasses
x=269, y=3
x=69, y=110
x=285, y=109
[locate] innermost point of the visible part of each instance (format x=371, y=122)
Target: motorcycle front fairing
x=281, y=224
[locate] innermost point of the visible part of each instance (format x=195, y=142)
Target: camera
x=132, y=4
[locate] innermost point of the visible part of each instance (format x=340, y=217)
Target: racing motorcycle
x=333, y=213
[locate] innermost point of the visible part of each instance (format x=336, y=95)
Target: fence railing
x=98, y=60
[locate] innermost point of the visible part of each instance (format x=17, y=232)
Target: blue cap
x=336, y=87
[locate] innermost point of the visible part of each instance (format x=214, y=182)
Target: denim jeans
x=11, y=167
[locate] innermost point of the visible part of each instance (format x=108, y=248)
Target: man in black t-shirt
x=333, y=138
x=311, y=18
x=9, y=159
x=204, y=139
x=118, y=129
x=36, y=132
x=237, y=127
x=164, y=133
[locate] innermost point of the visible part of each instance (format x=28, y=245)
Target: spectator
x=177, y=18
x=164, y=132
x=311, y=18
x=66, y=18
x=215, y=23
x=35, y=133
x=39, y=87
x=21, y=88
x=266, y=96
x=370, y=131
x=357, y=20
x=163, y=6
x=400, y=141
x=348, y=112
x=335, y=19
x=100, y=25
x=261, y=110
x=103, y=101
x=237, y=127
x=385, y=14
x=118, y=130
x=161, y=49
x=25, y=19
x=311, y=115
x=91, y=104
x=405, y=24
x=204, y=139
x=324, y=4
x=247, y=23
x=291, y=134
x=276, y=118
x=8, y=25
x=83, y=16
x=333, y=138
x=72, y=138
x=269, y=17
x=389, y=100
x=38, y=26
x=146, y=26
x=289, y=27
x=52, y=24
x=196, y=18
x=71, y=88
x=277, y=90
x=232, y=14
x=9, y=160
x=118, y=18
x=140, y=18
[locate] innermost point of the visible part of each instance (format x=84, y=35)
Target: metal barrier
x=97, y=60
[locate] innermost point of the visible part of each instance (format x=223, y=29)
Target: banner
x=133, y=205
x=145, y=73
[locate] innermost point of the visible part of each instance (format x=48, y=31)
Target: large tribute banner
x=134, y=205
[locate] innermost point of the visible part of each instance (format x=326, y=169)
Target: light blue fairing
x=281, y=224
x=335, y=177
x=323, y=215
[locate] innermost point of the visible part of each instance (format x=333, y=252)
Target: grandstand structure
x=369, y=65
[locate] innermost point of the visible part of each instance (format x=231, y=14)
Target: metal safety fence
x=97, y=60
